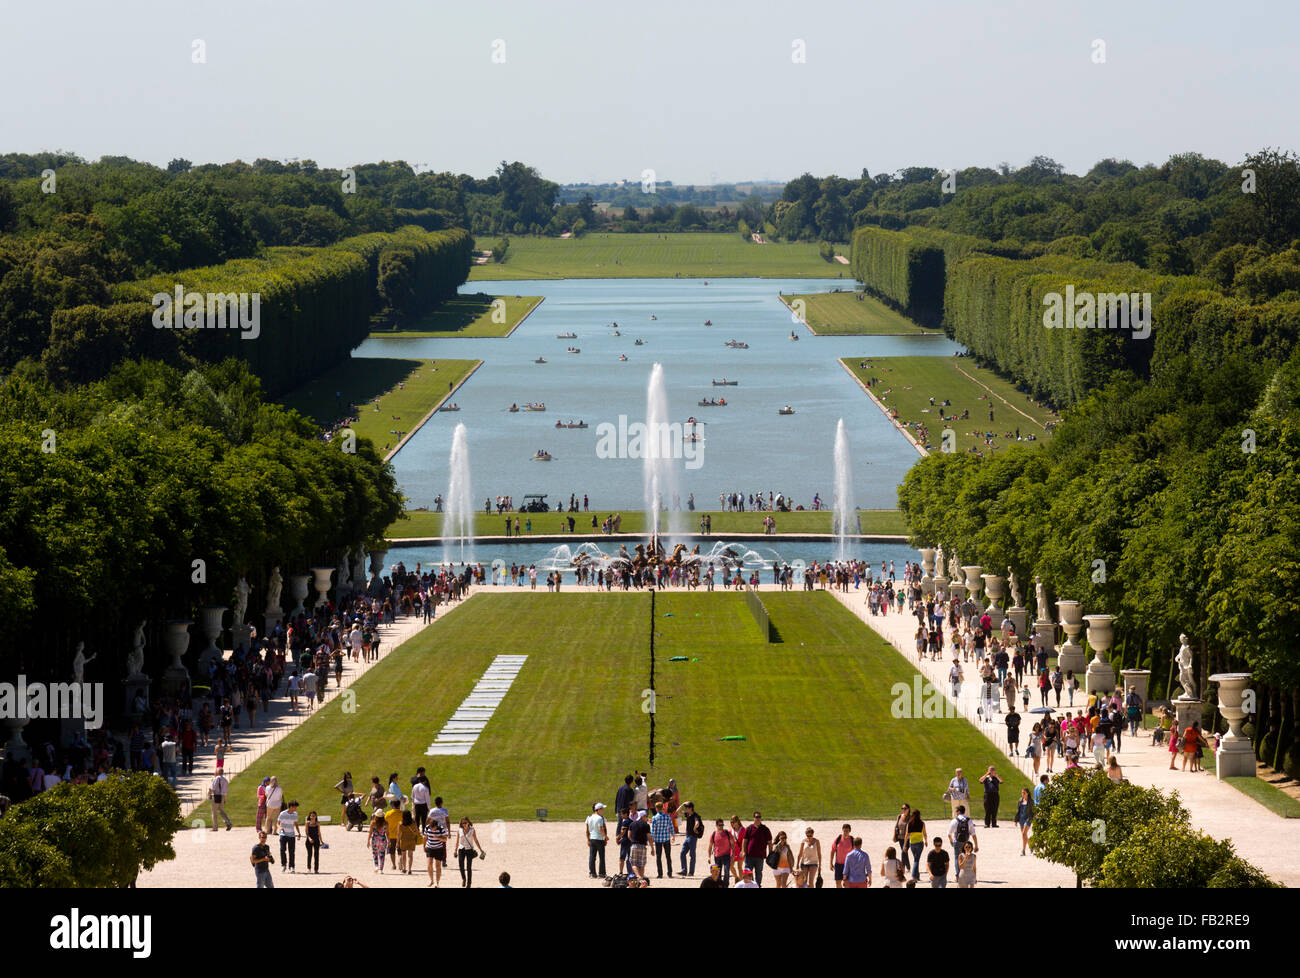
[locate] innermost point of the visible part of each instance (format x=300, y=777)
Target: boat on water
x=737, y=345
x=450, y=407
x=794, y=336
x=514, y=408
x=573, y=349
x=713, y=402
x=653, y=318
x=539, y=406
x=639, y=342
x=542, y=456
x=692, y=437
x=571, y=424
x=785, y=410
x=708, y=322
x=622, y=356
x=540, y=360
x=724, y=382
x=618, y=332
x=566, y=336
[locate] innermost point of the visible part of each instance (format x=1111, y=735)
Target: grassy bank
x=873, y=521
x=816, y=709
x=468, y=316
x=908, y=383
x=852, y=314
x=684, y=255
x=393, y=394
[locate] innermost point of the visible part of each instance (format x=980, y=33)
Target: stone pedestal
x=377, y=558
x=131, y=686
x=941, y=585
x=1020, y=618
x=1070, y=655
x=1188, y=711
x=298, y=591
x=322, y=583
x=1045, y=636
x=14, y=743
x=956, y=588
x=1235, y=757
x=1140, y=680
x=1101, y=634
x=359, y=578
x=212, y=618
x=241, y=636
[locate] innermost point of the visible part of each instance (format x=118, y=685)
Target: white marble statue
x=135, y=660
x=938, y=563
x=1185, y=660
x=1015, y=588
x=1040, y=600
x=79, y=663
x=273, y=587
x=241, y=601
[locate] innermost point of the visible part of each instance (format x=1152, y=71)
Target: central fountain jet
x=846, y=512
x=660, y=476
x=458, y=520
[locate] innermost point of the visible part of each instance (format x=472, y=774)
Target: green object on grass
x=678, y=658
x=668, y=614
x=734, y=737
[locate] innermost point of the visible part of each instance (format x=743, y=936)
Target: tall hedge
x=315, y=307
x=899, y=268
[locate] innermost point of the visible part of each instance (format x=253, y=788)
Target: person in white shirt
x=420, y=798
x=217, y=791
x=956, y=838
x=294, y=684
x=596, y=835
x=290, y=830
x=274, y=801
x=746, y=881
x=354, y=639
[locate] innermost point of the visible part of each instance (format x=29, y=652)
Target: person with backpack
x=961, y=829
x=694, y=826
x=721, y=843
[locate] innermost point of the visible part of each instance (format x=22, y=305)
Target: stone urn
x=322, y=582
x=974, y=583
x=1070, y=656
x=298, y=591
x=377, y=558
x=211, y=618
x=15, y=746
x=176, y=639
x=994, y=585
x=1235, y=757
x=927, y=560
x=1101, y=635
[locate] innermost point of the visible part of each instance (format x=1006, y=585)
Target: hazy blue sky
x=697, y=91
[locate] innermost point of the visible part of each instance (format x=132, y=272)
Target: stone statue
x=241, y=601
x=1040, y=600
x=273, y=587
x=343, y=570
x=1185, y=660
x=938, y=563
x=79, y=663
x=1015, y=588
x=359, y=566
x=135, y=660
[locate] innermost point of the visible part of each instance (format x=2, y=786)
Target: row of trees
x=146, y=495
x=315, y=307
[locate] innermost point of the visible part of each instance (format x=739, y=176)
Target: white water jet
x=458, y=514
x=659, y=469
x=845, y=510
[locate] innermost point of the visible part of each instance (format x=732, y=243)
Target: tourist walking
x=639, y=834
x=891, y=870
x=958, y=793
x=1024, y=818
x=290, y=831
x=274, y=802
x=781, y=860
x=661, y=832
x=261, y=860
x=597, y=836
x=840, y=850
x=217, y=792
x=468, y=848
x=261, y=804
x=408, y=840
x=960, y=829
x=693, y=827
x=857, y=867
x=377, y=839
x=810, y=859
x=937, y=863
x=757, y=845
x=966, y=866
x=313, y=842
x=991, y=783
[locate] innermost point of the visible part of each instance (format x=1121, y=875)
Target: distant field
x=852, y=314
x=393, y=394
x=468, y=316
x=908, y=383
x=873, y=521
x=613, y=255
x=817, y=709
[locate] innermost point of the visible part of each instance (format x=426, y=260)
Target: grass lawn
x=1268, y=795
x=852, y=314
x=468, y=316
x=816, y=708
x=685, y=255
x=873, y=521
x=392, y=394
x=908, y=383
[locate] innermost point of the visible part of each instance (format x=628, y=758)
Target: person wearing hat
x=261, y=802
x=597, y=835
x=746, y=881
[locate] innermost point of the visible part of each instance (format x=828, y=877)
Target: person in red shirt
x=189, y=739
x=840, y=849
x=757, y=844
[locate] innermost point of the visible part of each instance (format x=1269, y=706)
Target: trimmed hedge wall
x=906, y=272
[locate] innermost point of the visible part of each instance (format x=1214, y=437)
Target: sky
x=698, y=92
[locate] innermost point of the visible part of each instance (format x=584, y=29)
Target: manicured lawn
x=686, y=255
x=852, y=314
x=468, y=316
x=816, y=709
x=393, y=395
x=872, y=521
x=1270, y=797
x=908, y=383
